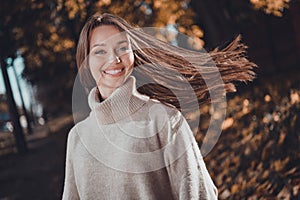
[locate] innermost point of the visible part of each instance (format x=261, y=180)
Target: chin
x=114, y=83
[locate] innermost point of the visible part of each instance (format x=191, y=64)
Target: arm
x=70, y=190
x=186, y=168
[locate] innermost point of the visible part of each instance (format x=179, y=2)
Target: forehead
x=106, y=34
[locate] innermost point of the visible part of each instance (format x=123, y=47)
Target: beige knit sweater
x=132, y=147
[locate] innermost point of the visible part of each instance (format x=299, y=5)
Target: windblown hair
x=169, y=69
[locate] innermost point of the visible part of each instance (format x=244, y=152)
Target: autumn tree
x=46, y=33
x=274, y=7
x=9, y=46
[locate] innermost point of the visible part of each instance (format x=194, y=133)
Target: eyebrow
x=104, y=44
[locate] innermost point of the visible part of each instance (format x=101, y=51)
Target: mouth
x=114, y=72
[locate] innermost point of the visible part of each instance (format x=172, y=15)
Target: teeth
x=112, y=72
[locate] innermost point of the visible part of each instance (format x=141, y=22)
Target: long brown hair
x=156, y=59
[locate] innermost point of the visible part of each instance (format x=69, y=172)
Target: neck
x=105, y=92
x=124, y=101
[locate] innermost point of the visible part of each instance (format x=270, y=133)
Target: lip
x=114, y=72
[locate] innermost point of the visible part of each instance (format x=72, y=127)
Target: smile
x=114, y=72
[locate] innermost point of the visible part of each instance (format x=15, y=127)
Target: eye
x=99, y=52
x=125, y=48
x=122, y=49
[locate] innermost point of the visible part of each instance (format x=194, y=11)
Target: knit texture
x=132, y=147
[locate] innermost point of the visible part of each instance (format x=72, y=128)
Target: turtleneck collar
x=123, y=102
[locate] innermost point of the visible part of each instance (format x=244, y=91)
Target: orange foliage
x=274, y=7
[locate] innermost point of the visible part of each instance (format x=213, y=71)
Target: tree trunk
x=14, y=115
x=29, y=128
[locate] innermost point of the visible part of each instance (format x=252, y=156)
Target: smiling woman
x=111, y=58
x=135, y=143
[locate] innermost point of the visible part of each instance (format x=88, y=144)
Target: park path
x=39, y=173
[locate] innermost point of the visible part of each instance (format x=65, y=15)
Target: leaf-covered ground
x=258, y=154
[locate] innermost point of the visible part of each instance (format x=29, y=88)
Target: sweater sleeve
x=186, y=168
x=70, y=191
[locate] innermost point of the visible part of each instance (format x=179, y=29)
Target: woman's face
x=111, y=58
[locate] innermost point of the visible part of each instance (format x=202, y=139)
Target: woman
x=136, y=144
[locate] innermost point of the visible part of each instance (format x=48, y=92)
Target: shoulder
x=72, y=137
x=76, y=131
x=165, y=113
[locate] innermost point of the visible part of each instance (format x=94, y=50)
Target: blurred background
x=257, y=155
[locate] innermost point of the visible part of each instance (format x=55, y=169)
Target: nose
x=118, y=59
x=114, y=58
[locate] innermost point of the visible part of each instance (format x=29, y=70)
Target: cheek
x=96, y=63
x=95, y=67
x=95, y=73
x=129, y=60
